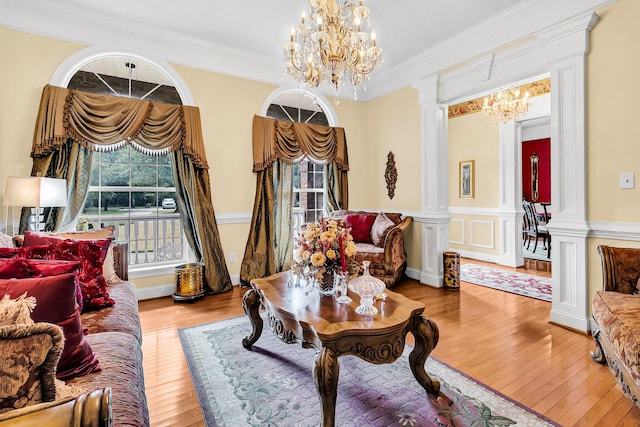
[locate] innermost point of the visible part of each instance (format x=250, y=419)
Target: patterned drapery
x=71, y=121
x=274, y=142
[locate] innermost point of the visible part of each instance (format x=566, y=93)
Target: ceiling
x=255, y=29
x=261, y=27
x=244, y=38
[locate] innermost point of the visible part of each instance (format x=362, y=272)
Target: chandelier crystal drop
x=331, y=45
x=506, y=105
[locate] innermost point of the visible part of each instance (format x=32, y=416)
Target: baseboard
x=573, y=322
x=478, y=256
x=413, y=273
x=168, y=289
x=156, y=291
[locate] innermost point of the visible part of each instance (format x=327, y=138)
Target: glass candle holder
x=340, y=287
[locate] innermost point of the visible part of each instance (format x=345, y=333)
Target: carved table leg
x=426, y=335
x=251, y=307
x=325, y=375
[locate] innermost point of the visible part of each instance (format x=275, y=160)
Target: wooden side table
x=335, y=329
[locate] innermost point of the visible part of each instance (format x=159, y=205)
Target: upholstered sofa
x=112, y=394
x=379, y=238
x=616, y=316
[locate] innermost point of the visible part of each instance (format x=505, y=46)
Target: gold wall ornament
x=391, y=175
x=535, y=161
x=536, y=88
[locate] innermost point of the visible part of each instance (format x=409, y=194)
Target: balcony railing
x=152, y=238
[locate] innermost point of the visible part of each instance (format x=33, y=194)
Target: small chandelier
x=332, y=45
x=506, y=105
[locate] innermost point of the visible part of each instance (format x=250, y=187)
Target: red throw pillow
x=56, y=303
x=360, y=226
x=21, y=268
x=87, y=253
x=17, y=269
x=108, y=269
x=32, y=238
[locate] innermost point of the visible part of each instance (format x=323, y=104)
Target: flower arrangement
x=324, y=247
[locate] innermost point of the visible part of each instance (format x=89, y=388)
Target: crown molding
x=495, y=40
x=475, y=45
x=56, y=22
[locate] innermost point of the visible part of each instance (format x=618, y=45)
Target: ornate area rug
x=509, y=281
x=272, y=385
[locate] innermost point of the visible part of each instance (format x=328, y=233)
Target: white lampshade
x=35, y=191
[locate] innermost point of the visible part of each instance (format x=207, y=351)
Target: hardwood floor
x=500, y=339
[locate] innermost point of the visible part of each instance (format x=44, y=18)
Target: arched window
x=132, y=188
x=309, y=201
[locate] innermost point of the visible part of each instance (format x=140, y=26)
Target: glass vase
x=325, y=284
x=366, y=286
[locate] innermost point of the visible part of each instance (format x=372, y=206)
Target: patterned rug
x=272, y=385
x=509, y=281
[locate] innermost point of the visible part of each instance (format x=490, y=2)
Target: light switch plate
x=627, y=180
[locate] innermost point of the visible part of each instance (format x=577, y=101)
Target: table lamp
x=35, y=192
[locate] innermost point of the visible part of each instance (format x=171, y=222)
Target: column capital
x=427, y=88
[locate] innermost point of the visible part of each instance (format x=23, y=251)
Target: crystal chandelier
x=332, y=45
x=506, y=105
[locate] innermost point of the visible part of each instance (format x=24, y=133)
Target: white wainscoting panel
x=486, y=245
x=462, y=224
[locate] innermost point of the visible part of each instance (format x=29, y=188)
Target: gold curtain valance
x=104, y=122
x=289, y=141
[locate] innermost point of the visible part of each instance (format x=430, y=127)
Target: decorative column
x=510, y=195
x=435, y=176
x=568, y=226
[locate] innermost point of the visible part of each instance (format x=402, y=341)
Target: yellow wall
x=472, y=137
x=227, y=105
x=27, y=64
x=613, y=143
x=392, y=123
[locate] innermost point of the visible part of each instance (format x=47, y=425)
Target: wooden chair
x=525, y=227
x=535, y=230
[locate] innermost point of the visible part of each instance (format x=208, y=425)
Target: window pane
x=167, y=202
x=114, y=174
x=109, y=202
x=142, y=159
x=165, y=176
x=140, y=201
x=118, y=156
x=91, y=204
x=144, y=175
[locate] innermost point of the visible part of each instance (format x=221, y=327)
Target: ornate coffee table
x=335, y=329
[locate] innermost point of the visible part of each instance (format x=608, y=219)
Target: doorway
x=536, y=192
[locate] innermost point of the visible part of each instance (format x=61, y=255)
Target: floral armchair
x=379, y=238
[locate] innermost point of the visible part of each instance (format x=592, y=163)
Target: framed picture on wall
x=467, y=180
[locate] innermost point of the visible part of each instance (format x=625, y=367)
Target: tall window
x=132, y=191
x=308, y=191
x=308, y=177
